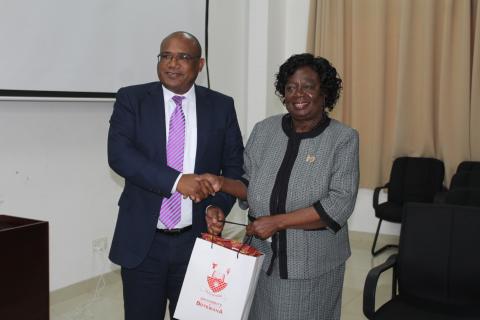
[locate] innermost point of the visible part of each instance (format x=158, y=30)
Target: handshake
x=199, y=186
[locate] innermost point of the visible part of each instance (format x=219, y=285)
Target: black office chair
x=437, y=268
x=464, y=190
x=463, y=197
x=465, y=179
x=469, y=166
x=411, y=180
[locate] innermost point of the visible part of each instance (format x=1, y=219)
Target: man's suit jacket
x=137, y=152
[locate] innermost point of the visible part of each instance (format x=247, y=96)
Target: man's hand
x=216, y=182
x=196, y=190
x=213, y=217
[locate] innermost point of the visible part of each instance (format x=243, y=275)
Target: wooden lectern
x=24, y=280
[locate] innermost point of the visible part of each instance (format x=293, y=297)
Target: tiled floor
x=107, y=305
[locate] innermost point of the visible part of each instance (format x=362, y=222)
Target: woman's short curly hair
x=330, y=82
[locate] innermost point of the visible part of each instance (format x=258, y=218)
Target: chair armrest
x=376, y=194
x=370, y=287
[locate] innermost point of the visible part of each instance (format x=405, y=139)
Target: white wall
x=228, y=48
x=53, y=162
x=53, y=167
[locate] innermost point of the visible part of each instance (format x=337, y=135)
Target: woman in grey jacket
x=300, y=185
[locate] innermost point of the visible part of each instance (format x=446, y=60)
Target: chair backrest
x=415, y=179
x=469, y=166
x=463, y=197
x=439, y=260
x=465, y=179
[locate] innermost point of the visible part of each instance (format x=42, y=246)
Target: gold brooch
x=310, y=158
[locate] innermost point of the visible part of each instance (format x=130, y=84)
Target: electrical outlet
x=100, y=244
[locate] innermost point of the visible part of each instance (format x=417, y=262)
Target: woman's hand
x=214, y=217
x=264, y=227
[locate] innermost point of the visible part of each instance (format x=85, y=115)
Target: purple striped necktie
x=170, y=212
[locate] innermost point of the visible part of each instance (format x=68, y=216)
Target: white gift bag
x=219, y=284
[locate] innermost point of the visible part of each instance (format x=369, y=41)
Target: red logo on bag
x=216, y=281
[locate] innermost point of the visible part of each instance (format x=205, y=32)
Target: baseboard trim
x=365, y=239
x=82, y=287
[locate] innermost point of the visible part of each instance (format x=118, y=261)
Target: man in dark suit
x=162, y=136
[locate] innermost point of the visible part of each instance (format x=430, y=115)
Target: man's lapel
x=204, y=122
x=154, y=118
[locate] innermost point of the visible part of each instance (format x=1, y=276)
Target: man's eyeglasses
x=180, y=57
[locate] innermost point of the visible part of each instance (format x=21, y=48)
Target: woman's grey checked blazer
x=325, y=172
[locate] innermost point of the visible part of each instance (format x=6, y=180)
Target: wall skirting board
x=82, y=287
